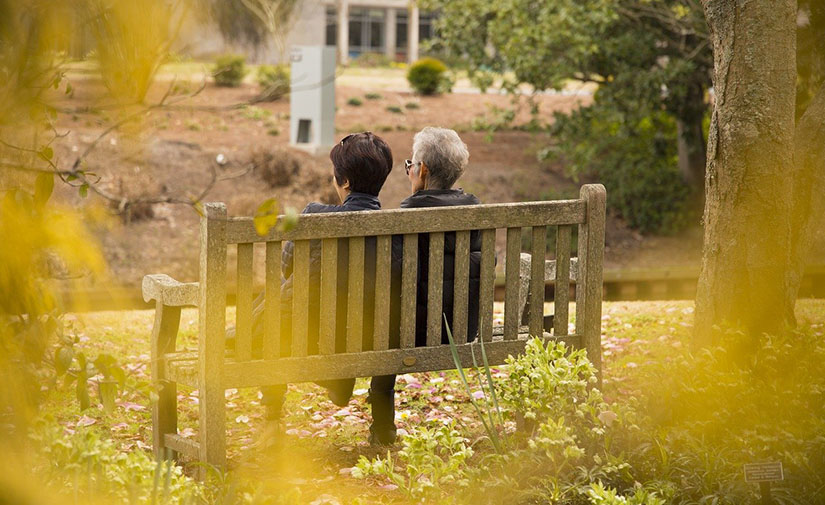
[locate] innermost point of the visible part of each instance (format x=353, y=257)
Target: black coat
x=439, y=198
x=353, y=202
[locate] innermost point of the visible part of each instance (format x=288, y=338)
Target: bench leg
x=165, y=410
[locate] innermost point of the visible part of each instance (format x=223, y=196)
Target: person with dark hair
x=361, y=163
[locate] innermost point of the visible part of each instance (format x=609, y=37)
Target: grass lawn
x=322, y=442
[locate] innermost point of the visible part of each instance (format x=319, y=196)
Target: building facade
x=394, y=28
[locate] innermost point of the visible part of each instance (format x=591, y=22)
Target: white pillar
x=412, y=33
x=343, y=31
x=389, y=33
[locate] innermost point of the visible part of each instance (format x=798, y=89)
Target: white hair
x=443, y=152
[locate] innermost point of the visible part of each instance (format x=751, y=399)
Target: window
x=366, y=30
x=332, y=26
x=401, y=31
x=425, y=26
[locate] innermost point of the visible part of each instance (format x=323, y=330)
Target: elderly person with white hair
x=439, y=159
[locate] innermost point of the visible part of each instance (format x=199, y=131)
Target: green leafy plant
x=394, y=109
x=355, y=101
x=412, y=105
x=229, y=70
x=433, y=458
x=274, y=81
x=428, y=76
x=373, y=96
x=74, y=367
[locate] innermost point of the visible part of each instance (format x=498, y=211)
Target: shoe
x=382, y=436
x=382, y=429
x=270, y=435
x=340, y=391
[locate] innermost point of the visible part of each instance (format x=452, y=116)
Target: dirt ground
x=172, y=151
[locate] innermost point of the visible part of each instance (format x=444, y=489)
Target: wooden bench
x=212, y=369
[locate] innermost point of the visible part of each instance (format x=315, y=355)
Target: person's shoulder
x=470, y=198
x=318, y=207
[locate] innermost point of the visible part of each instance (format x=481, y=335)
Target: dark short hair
x=363, y=159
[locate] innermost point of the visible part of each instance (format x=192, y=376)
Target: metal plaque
x=764, y=472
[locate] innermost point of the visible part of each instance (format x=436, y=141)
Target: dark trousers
x=381, y=398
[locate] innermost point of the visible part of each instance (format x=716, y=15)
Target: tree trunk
x=749, y=213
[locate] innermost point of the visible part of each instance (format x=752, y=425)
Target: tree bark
x=749, y=211
x=809, y=185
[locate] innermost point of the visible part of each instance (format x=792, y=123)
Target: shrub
x=274, y=81
x=394, y=109
x=372, y=60
x=355, y=102
x=276, y=167
x=633, y=154
x=412, y=105
x=427, y=76
x=229, y=70
x=373, y=96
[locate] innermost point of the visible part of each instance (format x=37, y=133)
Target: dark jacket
x=353, y=202
x=441, y=198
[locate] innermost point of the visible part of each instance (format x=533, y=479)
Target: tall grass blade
x=490, y=382
x=457, y=361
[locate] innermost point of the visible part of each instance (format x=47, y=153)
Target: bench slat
x=487, y=284
x=511, y=283
x=561, y=288
x=371, y=363
x=329, y=296
x=383, y=258
x=300, y=298
x=435, y=288
x=180, y=367
x=187, y=449
x=537, y=255
x=409, y=274
x=243, y=311
x=462, y=286
x=272, y=302
x=355, y=295
x=409, y=221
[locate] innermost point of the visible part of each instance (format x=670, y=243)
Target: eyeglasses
x=368, y=134
x=408, y=164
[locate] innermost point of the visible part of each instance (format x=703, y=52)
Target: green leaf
x=82, y=391
x=47, y=153
x=83, y=190
x=289, y=220
x=69, y=88
x=43, y=186
x=107, y=390
x=118, y=374
x=63, y=359
x=266, y=216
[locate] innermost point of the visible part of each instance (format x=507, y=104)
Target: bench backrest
x=535, y=219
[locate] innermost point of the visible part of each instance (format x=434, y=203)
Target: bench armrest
x=168, y=291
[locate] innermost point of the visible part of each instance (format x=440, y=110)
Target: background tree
x=766, y=168
x=651, y=61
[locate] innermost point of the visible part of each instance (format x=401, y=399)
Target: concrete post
x=390, y=34
x=412, y=33
x=343, y=32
